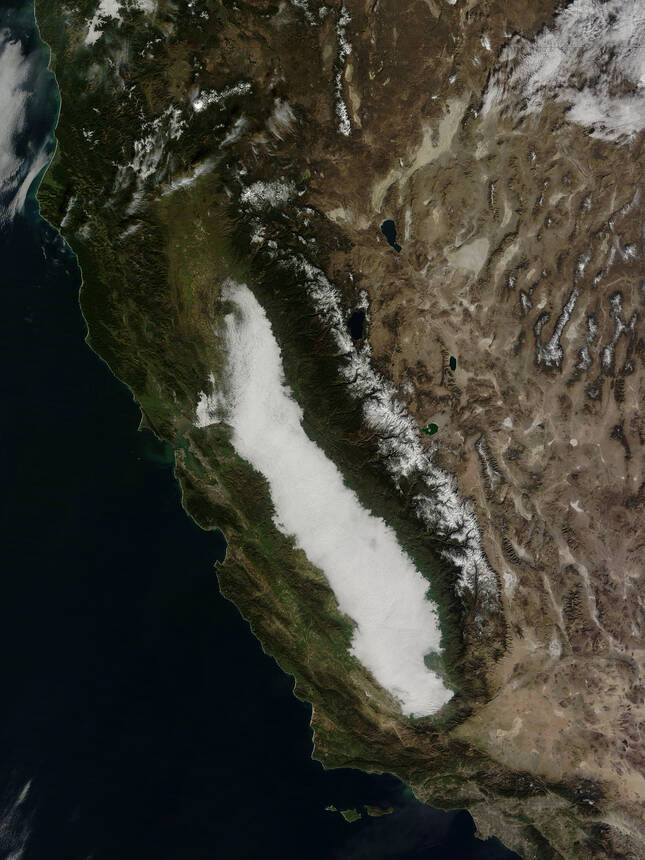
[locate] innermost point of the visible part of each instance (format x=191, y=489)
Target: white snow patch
x=259, y=234
x=593, y=60
x=581, y=263
x=304, y=7
x=576, y=506
x=217, y=97
x=261, y=194
x=573, y=443
x=344, y=50
x=375, y=582
x=112, y=9
x=439, y=506
x=508, y=423
x=620, y=327
x=550, y=353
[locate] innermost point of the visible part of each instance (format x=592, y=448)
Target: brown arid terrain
x=511, y=318
x=516, y=261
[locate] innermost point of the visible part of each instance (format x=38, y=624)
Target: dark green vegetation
x=151, y=300
x=150, y=295
x=152, y=278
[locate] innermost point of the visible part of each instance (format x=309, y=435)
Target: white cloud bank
x=14, y=92
x=375, y=582
x=593, y=60
x=18, y=73
x=105, y=9
x=261, y=194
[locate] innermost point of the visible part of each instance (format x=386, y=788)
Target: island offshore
x=185, y=180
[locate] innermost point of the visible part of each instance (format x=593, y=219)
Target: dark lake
x=356, y=323
x=388, y=229
x=140, y=716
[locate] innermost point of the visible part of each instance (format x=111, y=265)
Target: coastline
x=296, y=734
x=186, y=478
x=321, y=747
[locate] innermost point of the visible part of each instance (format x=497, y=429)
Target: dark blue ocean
x=139, y=716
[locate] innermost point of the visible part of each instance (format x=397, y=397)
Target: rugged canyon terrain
x=265, y=142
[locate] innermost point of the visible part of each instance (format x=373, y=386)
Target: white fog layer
x=18, y=169
x=374, y=581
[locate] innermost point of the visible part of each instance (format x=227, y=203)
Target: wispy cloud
x=14, y=92
x=592, y=60
x=21, y=159
x=15, y=821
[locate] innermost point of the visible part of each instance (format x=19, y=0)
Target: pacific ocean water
x=140, y=717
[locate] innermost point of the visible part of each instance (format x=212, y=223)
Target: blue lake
x=388, y=229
